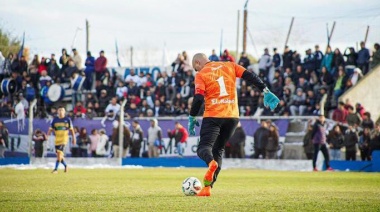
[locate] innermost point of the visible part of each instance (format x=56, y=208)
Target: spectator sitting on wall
x=356, y=76
x=137, y=138
x=260, y=140
x=298, y=103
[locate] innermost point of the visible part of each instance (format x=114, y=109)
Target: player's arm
x=73, y=135
x=198, y=99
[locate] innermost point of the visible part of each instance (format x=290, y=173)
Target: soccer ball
x=191, y=186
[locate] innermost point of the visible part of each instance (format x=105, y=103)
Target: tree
x=8, y=43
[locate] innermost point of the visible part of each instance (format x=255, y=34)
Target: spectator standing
x=375, y=139
x=94, y=139
x=227, y=57
x=375, y=56
x=244, y=60
x=33, y=68
x=309, y=61
x=260, y=140
x=39, y=138
x=276, y=60
x=100, y=65
x=273, y=143
x=364, y=142
x=350, y=140
x=154, y=139
x=137, y=139
x=237, y=142
x=77, y=60
x=327, y=59
x=102, y=142
x=287, y=58
x=319, y=140
x=180, y=136
x=89, y=71
x=75, y=147
x=351, y=56
x=64, y=60
x=335, y=140
x=265, y=63
x=363, y=58
x=116, y=142
x=83, y=142
x=318, y=56
x=213, y=56
x=308, y=145
x=337, y=61
x=54, y=71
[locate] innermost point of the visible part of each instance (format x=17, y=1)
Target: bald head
x=199, y=61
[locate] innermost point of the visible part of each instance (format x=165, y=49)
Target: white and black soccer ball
x=191, y=186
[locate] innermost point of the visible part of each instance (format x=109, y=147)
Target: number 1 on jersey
x=222, y=86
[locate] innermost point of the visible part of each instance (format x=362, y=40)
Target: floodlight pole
x=121, y=128
x=30, y=127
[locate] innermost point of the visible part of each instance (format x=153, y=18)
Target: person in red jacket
x=100, y=65
x=180, y=136
x=227, y=57
x=79, y=110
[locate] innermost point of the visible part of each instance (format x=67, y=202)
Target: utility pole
x=237, y=35
x=87, y=36
x=290, y=30
x=330, y=35
x=245, y=27
x=131, y=56
x=366, y=35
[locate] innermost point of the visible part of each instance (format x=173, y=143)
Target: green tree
x=8, y=43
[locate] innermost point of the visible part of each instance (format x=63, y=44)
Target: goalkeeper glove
x=270, y=100
x=192, y=123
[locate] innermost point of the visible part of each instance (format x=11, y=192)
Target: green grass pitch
x=160, y=190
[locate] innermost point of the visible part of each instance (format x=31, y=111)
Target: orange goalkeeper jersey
x=217, y=82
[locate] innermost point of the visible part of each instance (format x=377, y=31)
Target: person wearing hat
x=298, y=103
x=154, y=138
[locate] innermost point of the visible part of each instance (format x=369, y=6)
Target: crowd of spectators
x=299, y=82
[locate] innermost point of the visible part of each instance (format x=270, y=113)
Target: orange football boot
x=209, y=176
x=205, y=192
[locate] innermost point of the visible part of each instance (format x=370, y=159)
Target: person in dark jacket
x=319, y=140
x=83, y=142
x=337, y=61
x=375, y=139
x=237, y=142
x=335, y=140
x=244, y=60
x=116, y=141
x=287, y=58
x=363, y=58
x=318, y=56
x=364, y=142
x=64, y=60
x=308, y=145
x=367, y=121
x=273, y=141
x=353, y=119
x=350, y=140
x=137, y=138
x=309, y=61
x=276, y=60
x=39, y=138
x=89, y=71
x=100, y=65
x=352, y=56
x=260, y=140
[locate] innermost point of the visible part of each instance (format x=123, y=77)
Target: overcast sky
x=190, y=25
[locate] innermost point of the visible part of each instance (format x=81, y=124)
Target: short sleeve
x=239, y=70
x=52, y=123
x=200, y=86
x=70, y=123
